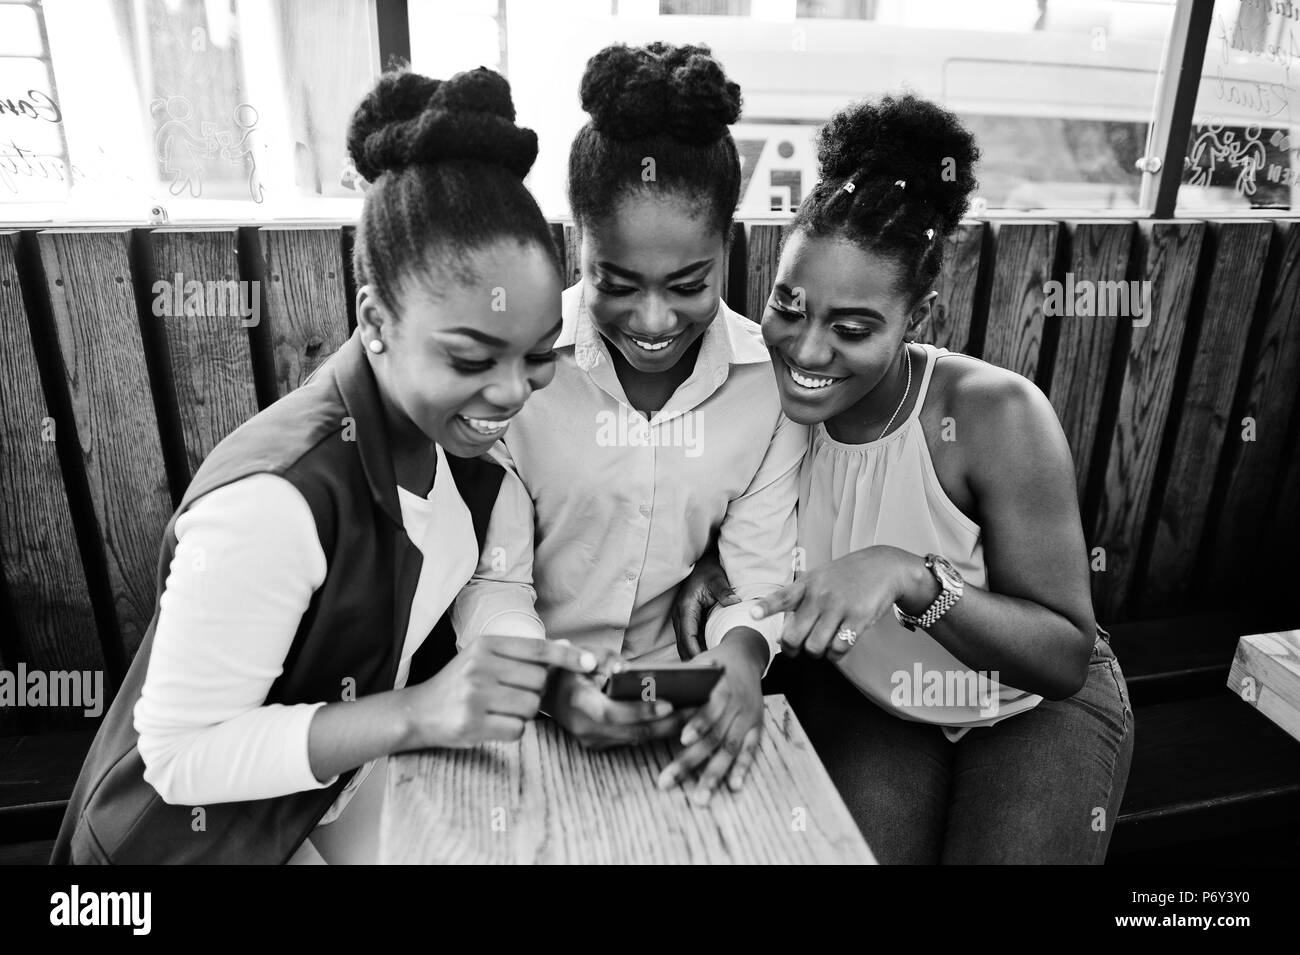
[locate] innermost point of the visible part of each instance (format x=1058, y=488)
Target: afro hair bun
x=908, y=138
x=635, y=93
x=408, y=119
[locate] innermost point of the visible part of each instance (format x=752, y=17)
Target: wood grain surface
x=546, y=799
x=954, y=310
x=1024, y=254
x=1240, y=249
x=1099, y=252
x=52, y=625
x=763, y=253
x=1271, y=400
x=306, y=310
x=88, y=280
x=208, y=354
x=1169, y=251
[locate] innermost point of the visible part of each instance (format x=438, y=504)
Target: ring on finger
x=847, y=635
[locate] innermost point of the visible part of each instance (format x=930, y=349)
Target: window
x=1060, y=93
x=140, y=110
x=1244, y=150
x=236, y=110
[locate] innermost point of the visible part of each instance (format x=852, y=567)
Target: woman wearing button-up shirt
x=661, y=429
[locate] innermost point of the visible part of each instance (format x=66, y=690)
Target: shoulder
x=261, y=520
x=986, y=397
x=1006, y=431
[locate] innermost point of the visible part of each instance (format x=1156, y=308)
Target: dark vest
x=328, y=439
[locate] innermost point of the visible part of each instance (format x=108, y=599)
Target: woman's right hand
x=489, y=691
x=575, y=701
x=706, y=586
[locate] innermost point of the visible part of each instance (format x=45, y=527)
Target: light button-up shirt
x=606, y=513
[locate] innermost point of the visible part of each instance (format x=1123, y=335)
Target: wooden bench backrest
x=106, y=409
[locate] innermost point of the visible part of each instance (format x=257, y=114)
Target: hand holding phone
x=683, y=685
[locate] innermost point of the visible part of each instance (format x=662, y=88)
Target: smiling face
x=460, y=360
x=652, y=276
x=835, y=323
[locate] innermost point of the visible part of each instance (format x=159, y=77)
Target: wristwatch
x=951, y=586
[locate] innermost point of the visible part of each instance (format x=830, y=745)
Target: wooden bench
x=1184, y=432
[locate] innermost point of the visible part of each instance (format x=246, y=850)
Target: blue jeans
x=1043, y=786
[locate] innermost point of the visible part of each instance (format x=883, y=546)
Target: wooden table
x=546, y=799
x=1266, y=674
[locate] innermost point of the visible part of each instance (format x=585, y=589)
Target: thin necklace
x=906, y=391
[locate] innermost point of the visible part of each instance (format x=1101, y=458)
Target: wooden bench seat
x=1209, y=775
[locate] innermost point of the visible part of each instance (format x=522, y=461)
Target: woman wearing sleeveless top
x=966, y=703
x=299, y=635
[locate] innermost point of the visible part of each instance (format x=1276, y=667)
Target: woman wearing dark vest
x=320, y=544
x=954, y=679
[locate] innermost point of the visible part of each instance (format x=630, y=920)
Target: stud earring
x=376, y=346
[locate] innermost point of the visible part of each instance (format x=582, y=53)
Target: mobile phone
x=681, y=684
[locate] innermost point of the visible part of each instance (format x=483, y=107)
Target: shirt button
x=630, y=575
x=644, y=509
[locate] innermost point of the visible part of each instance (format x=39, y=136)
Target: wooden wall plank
x=1273, y=370
x=1099, y=252
x=763, y=252
x=566, y=241
x=46, y=595
x=89, y=284
x=306, y=300
x=735, y=270
x=1240, y=249
x=1024, y=254
x=207, y=349
x=951, y=318
x=1168, y=252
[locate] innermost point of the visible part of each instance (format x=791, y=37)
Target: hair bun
x=903, y=137
x=638, y=92
x=408, y=119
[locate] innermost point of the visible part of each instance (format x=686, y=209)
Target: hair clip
x=929, y=235
x=900, y=183
x=849, y=187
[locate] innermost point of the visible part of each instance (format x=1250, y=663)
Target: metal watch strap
x=933, y=613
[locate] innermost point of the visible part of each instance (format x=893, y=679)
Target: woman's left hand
x=853, y=592
x=723, y=736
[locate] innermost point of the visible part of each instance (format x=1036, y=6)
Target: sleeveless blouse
x=886, y=492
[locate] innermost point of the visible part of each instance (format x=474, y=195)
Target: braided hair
x=896, y=179
x=671, y=104
x=446, y=164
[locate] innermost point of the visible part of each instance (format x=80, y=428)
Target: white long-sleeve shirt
x=246, y=563
x=611, y=511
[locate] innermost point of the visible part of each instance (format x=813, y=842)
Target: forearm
x=1032, y=647
x=344, y=736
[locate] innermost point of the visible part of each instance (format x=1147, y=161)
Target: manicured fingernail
x=588, y=660
x=689, y=735
x=663, y=708
x=756, y=612
x=736, y=781
x=702, y=796
x=667, y=779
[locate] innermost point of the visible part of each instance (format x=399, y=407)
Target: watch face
x=947, y=573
